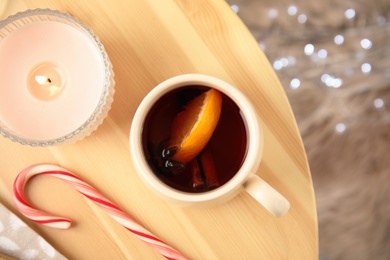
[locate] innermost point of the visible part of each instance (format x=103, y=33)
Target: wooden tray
x=149, y=41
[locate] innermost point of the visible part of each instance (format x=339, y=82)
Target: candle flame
x=42, y=80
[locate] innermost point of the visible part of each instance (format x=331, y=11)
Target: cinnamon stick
x=197, y=179
x=209, y=170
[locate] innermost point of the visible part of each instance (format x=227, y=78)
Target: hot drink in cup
x=196, y=140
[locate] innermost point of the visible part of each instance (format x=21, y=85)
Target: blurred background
x=332, y=58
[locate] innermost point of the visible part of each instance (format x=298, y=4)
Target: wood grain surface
x=149, y=41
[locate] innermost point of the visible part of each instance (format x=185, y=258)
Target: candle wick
x=49, y=80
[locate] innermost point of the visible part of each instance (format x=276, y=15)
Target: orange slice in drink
x=193, y=127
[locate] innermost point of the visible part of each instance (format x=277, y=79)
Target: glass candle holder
x=56, y=80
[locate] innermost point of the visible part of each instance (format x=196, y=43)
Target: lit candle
x=56, y=82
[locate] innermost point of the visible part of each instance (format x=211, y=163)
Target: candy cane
x=88, y=191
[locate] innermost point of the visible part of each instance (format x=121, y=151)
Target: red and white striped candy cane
x=88, y=191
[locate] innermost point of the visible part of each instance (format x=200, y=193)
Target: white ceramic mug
x=245, y=178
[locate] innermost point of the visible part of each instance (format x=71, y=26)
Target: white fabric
x=19, y=241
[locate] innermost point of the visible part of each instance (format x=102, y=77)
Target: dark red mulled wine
x=223, y=155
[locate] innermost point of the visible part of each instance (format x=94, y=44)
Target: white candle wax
x=52, y=76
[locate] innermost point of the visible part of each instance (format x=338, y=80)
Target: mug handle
x=267, y=196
